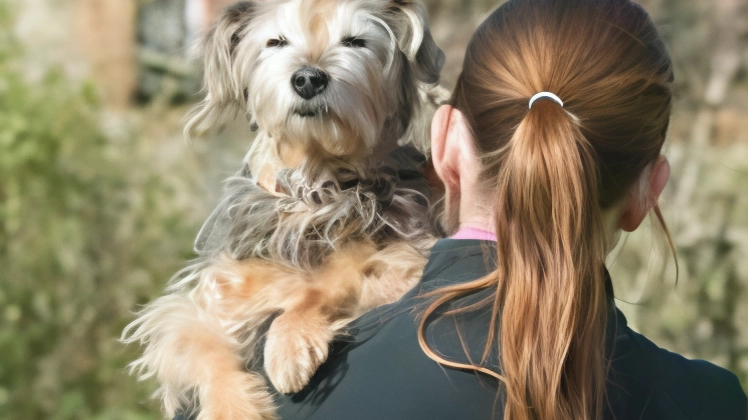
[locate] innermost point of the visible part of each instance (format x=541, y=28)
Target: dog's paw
x=294, y=349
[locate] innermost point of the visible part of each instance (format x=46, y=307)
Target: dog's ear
x=225, y=97
x=410, y=24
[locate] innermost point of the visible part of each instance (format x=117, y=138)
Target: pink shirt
x=474, y=233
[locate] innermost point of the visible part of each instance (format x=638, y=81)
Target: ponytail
x=550, y=296
x=551, y=287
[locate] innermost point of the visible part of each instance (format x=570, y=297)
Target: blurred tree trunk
x=105, y=30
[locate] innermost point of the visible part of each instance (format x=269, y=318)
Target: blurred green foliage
x=83, y=239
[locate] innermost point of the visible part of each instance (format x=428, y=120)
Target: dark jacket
x=380, y=372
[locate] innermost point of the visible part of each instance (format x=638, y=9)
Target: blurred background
x=100, y=196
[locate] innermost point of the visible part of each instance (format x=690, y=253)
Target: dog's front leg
x=297, y=343
x=227, y=391
x=197, y=363
x=298, y=339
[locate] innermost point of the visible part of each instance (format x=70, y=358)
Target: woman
x=550, y=147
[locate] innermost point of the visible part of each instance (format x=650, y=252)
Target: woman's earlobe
x=644, y=194
x=631, y=216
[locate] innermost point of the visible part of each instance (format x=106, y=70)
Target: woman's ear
x=644, y=194
x=443, y=153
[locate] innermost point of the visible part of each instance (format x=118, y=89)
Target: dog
x=328, y=216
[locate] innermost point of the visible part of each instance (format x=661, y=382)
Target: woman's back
x=380, y=372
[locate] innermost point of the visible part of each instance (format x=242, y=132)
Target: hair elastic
x=548, y=95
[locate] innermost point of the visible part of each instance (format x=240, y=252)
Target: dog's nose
x=309, y=82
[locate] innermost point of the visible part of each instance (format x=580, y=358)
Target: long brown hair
x=553, y=170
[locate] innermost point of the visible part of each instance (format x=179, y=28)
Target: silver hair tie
x=548, y=95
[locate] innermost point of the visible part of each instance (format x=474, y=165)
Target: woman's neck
x=469, y=232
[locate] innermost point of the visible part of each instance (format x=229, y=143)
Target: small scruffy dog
x=328, y=217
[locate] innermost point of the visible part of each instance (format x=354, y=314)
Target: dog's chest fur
x=300, y=224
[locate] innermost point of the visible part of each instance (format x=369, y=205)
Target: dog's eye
x=353, y=42
x=280, y=42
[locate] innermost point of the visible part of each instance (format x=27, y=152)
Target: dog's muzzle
x=309, y=82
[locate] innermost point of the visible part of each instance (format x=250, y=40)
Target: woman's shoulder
x=380, y=372
x=655, y=383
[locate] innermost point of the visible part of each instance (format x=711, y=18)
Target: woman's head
x=603, y=58
x=549, y=173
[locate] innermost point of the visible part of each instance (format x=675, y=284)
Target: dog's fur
x=328, y=217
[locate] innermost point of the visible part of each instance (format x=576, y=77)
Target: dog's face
x=340, y=76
